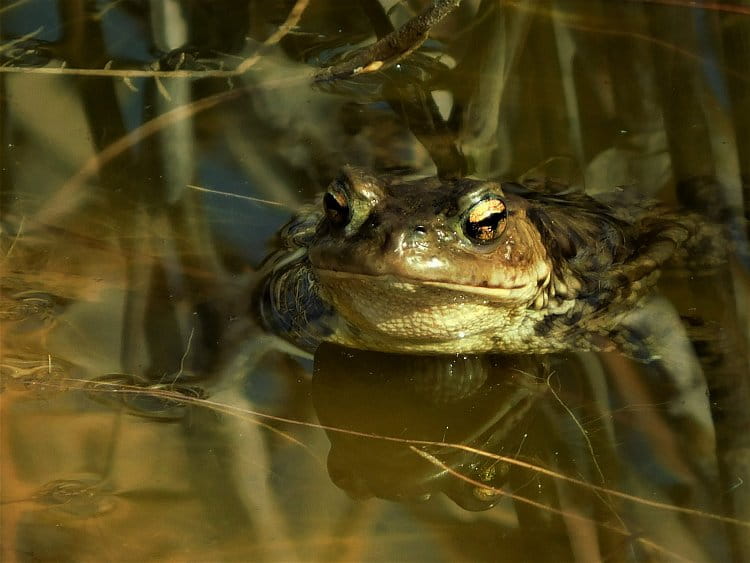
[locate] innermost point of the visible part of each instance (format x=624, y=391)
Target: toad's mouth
x=396, y=282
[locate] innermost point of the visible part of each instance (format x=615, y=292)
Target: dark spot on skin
x=635, y=342
x=446, y=206
x=574, y=318
x=373, y=221
x=385, y=245
x=544, y=327
x=367, y=229
x=597, y=299
x=622, y=280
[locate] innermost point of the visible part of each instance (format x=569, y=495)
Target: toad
x=433, y=266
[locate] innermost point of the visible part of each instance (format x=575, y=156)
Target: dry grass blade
x=238, y=196
x=717, y=6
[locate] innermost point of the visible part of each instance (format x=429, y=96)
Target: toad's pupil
x=486, y=220
x=336, y=208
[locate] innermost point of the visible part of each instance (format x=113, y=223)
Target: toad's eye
x=486, y=220
x=336, y=206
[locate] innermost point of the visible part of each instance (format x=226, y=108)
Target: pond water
x=150, y=151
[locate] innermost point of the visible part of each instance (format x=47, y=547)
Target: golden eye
x=336, y=206
x=486, y=220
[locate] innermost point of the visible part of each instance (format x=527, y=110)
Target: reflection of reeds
x=242, y=67
x=590, y=82
x=236, y=410
x=117, y=388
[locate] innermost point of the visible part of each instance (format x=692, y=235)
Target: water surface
x=146, y=417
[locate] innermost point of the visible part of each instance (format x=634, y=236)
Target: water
x=144, y=415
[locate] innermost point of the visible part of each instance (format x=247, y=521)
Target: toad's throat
x=388, y=312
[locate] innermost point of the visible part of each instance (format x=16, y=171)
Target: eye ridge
x=486, y=220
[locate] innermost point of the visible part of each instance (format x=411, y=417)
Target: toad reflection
x=445, y=399
x=416, y=428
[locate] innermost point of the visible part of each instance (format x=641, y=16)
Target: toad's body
x=459, y=266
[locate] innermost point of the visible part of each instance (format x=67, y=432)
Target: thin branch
x=291, y=21
x=391, y=48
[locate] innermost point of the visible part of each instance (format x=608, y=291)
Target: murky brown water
x=144, y=415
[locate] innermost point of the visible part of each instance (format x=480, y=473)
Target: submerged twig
x=584, y=432
x=589, y=445
x=184, y=357
x=391, y=48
